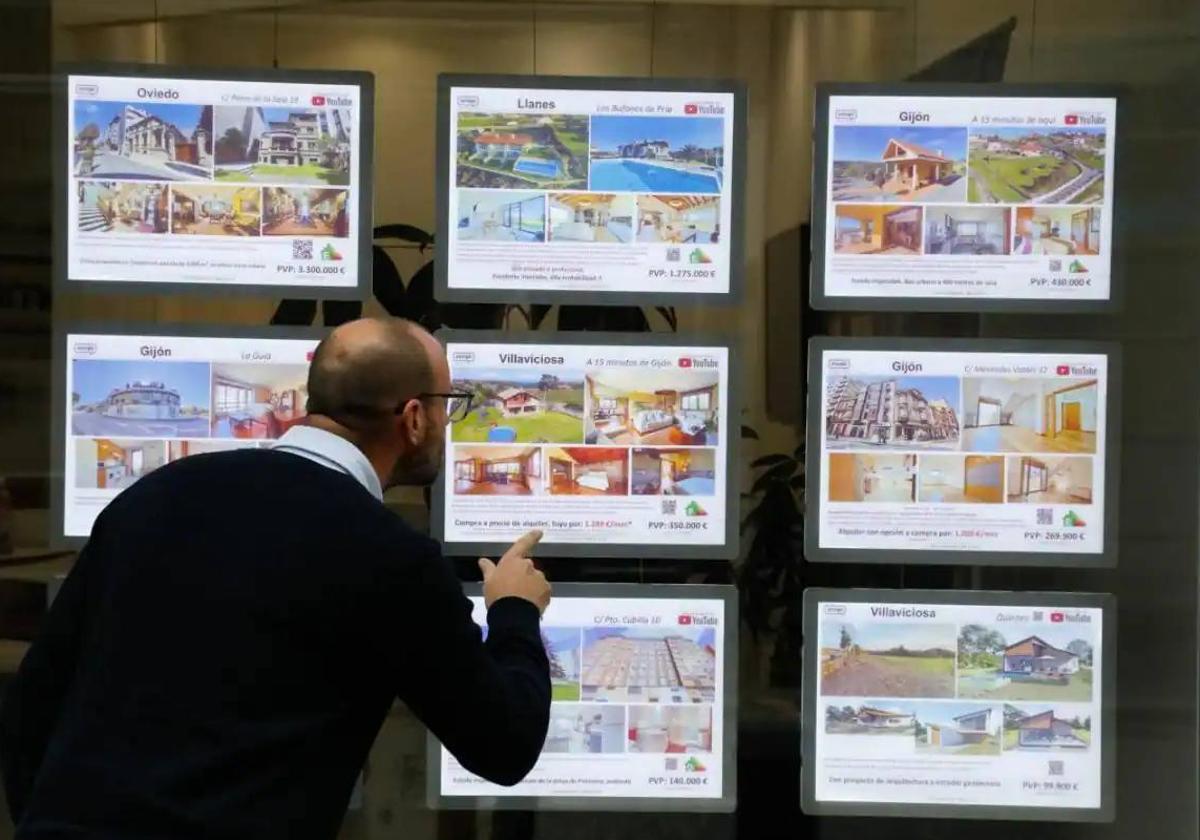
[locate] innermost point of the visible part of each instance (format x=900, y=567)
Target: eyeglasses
x=458, y=404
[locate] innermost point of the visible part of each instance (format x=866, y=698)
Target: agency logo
x=835, y=609
x=85, y=348
x=330, y=253
x=845, y=114
x=463, y=357
x=839, y=364
x=468, y=101
x=84, y=89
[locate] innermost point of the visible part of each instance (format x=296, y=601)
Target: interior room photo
x=877, y=229
x=691, y=219
x=582, y=728
x=659, y=408
x=1030, y=415
x=872, y=478
x=674, y=472
x=497, y=470
x=591, y=217
x=1055, y=480
x=957, y=479
x=107, y=464
x=670, y=729
x=968, y=230
x=501, y=216
x=588, y=471
x=257, y=400
x=1058, y=231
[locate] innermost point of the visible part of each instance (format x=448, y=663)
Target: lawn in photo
x=216, y=210
x=1030, y=414
x=126, y=399
x=910, y=412
x=899, y=163
x=116, y=207
x=588, y=471
x=872, y=478
x=144, y=141
x=957, y=728
x=998, y=662
x=1040, y=728
x=1037, y=165
x=520, y=406
x=961, y=479
x=592, y=217
x=301, y=146
x=304, y=211
x=658, y=154
x=585, y=728
x=672, y=730
x=256, y=400
x=498, y=471
x=1058, y=231
x=522, y=151
x=891, y=229
x=652, y=407
x=650, y=664
x=1050, y=479
x=884, y=659
x=563, y=650
x=509, y=216
x=674, y=472
x=679, y=219
x=975, y=231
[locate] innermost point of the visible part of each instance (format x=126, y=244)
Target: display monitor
x=214, y=181
x=128, y=401
x=963, y=451
x=964, y=197
x=562, y=189
x=994, y=705
x=614, y=445
x=643, y=705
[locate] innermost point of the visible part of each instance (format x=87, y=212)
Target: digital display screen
x=561, y=189
x=957, y=200
x=609, y=446
x=961, y=702
x=131, y=403
x=976, y=449
x=255, y=183
x=640, y=707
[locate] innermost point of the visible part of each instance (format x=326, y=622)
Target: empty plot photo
x=913, y=412
x=657, y=154
x=490, y=216
x=216, y=210
x=585, y=728
x=656, y=408
x=111, y=398
x=515, y=406
x=498, y=471
x=592, y=217
x=674, y=472
x=1059, y=166
x=522, y=151
x=588, y=471
x=872, y=478
x=1015, y=414
x=977, y=231
x=996, y=662
x=679, y=219
x=650, y=665
x=962, y=479
x=671, y=730
x=562, y=646
x=957, y=728
x=115, y=207
x=877, y=229
x=1050, y=480
x=887, y=660
x=899, y=163
x=1042, y=729
x=257, y=400
x=1058, y=231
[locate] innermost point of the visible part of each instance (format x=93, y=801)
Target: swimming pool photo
x=645, y=176
x=657, y=154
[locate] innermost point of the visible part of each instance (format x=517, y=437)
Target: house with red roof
x=495, y=145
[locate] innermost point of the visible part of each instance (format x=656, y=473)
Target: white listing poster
x=969, y=197
x=590, y=190
x=637, y=705
x=136, y=403
x=963, y=451
x=241, y=183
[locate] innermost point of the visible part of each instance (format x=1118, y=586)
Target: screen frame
x=820, y=345
x=1108, y=694
x=61, y=99
x=441, y=287
x=727, y=550
x=58, y=383
x=819, y=299
x=727, y=803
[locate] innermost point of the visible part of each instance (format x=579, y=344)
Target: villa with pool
x=657, y=154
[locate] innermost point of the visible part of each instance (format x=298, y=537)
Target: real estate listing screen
x=996, y=198
x=133, y=402
x=565, y=189
x=642, y=710
x=995, y=705
x=962, y=451
x=613, y=445
x=258, y=181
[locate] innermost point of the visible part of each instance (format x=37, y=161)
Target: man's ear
x=412, y=422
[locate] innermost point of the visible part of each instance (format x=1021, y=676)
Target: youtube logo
x=1056, y=618
x=318, y=101
x=685, y=362
x=685, y=619
x=1072, y=119
x=691, y=108
x=1064, y=370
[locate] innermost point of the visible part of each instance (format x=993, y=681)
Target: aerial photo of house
x=1038, y=729
x=283, y=145
x=958, y=728
x=899, y=163
x=652, y=407
x=588, y=471
x=887, y=659
x=670, y=729
x=257, y=401
x=977, y=231
x=872, y=478
x=124, y=399
x=650, y=665
x=562, y=646
x=913, y=412
x=1029, y=414
x=1049, y=480
x=679, y=219
x=498, y=471
x=995, y=663
x=591, y=217
x=490, y=216
x=658, y=154
x=961, y=479
x=674, y=472
x=304, y=211
x=520, y=406
x=520, y=151
x=876, y=229
x=1016, y=165
x=114, y=207
x=143, y=141
x=216, y=210
x=873, y=718
x=582, y=729
x=1058, y=231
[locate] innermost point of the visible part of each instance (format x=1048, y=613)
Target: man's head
x=370, y=381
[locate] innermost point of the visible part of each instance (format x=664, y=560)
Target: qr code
x=1056, y=265
x=1045, y=516
x=674, y=255
x=668, y=507
x=1056, y=768
x=672, y=763
x=302, y=249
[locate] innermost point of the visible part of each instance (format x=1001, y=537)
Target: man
x=225, y=650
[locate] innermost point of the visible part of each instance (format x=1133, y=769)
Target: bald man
x=221, y=657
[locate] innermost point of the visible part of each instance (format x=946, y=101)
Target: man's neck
x=379, y=461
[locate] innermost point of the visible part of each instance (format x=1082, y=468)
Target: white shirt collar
x=329, y=450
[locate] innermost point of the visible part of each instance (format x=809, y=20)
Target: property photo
x=116, y=207
x=877, y=229
x=511, y=216
x=585, y=728
x=887, y=659
x=143, y=141
x=671, y=730
x=1016, y=414
x=588, y=471
x=899, y=163
x=961, y=479
x=679, y=219
x=123, y=399
x=957, y=729
x=876, y=717
x=652, y=407
x=592, y=217
x=498, y=471
x=1042, y=729
x=257, y=401
x=650, y=665
x=674, y=472
x=520, y=406
x=872, y=478
x=996, y=662
x=1058, y=231
x=298, y=211
x=657, y=154
x=912, y=412
x=522, y=151
x=978, y=231
x=1016, y=165
x=562, y=646
x=1049, y=480
x=283, y=145
x=107, y=464
x=216, y=211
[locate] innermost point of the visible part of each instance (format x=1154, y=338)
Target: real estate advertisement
x=969, y=197
x=204, y=181
x=937, y=704
x=637, y=702
x=136, y=403
x=590, y=190
x=589, y=443
x=963, y=451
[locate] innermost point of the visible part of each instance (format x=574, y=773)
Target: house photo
x=592, y=217
x=959, y=479
x=1049, y=480
x=887, y=659
x=142, y=141
x=1039, y=729
x=1058, y=231
x=650, y=154
x=585, y=729
x=115, y=207
x=674, y=472
x=667, y=665
x=958, y=729
x=127, y=399
x=876, y=229
x=996, y=662
x=216, y=210
x=670, y=730
x=872, y=718
x=642, y=407
x=563, y=651
x=872, y=478
x=910, y=412
x=588, y=471
x=497, y=471
x=257, y=401
x=510, y=216
x=301, y=146
x=679, y=219
x=1011, y=165
x=520, y=406
x=522, y=151
x=899, y=163
x=978, y=231
x=301, y=211
x=1030, y=415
